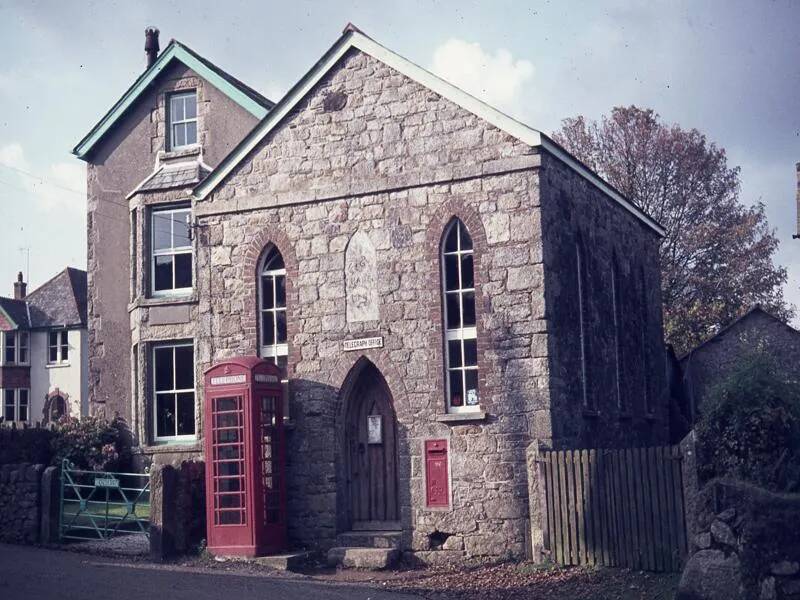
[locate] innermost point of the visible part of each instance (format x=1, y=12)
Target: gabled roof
x=15, y=311
x=167, y=177
x=245, y=96
x=60, y=302
x=754, y=310
x=352, y=38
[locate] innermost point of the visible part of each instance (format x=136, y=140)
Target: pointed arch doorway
x=370, y=448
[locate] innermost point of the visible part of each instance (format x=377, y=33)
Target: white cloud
x=59, y=185
x=498, y=79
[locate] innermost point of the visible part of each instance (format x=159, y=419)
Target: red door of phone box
x=245, y=458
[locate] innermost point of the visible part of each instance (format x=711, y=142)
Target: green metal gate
x=98, y=505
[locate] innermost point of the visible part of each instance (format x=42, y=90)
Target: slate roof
x=61, y=302
x=174, y=176
x=16, y=310
x=755, y=309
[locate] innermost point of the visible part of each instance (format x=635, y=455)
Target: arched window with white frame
x=461, y=335
x=273, y=344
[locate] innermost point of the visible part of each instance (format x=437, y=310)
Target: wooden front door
x=372, y=454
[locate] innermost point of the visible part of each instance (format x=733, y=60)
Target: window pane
x=453, y=311
x=165, y=415
x=163, y=369
x=162, y=273
x=186, y=414
x=456, y=389
x=454, y=353
x=230, y=501
x=11, y=347
x=230, y=485
x=176, y=111
x=184, y=368
x=161, y=231
x=467, y=279
x=267, y=328
x=230, y=468
x=9, y=405
x=183, y=271
x=280, y=291
x=226, y=404
x=466, y=240
x=230, y=517
x=280, y=318
x=179, y=137
x=471, y=376
x=274, y=260
x=267, y=295
x=451, y=241
x=64, y=351
x=468, y=299
x=53, y=354
x=190, y=106
x=180, y=229
x=451, y=272
x=227, y=420
x=191, y=132
x=52, y=338
x=470, y=353
x=23, y=405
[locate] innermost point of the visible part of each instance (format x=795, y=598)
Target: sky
x=730, y=68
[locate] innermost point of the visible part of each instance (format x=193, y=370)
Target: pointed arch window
x=461, y=336
x=581, y=268
x=272, y=307
x=273, y=342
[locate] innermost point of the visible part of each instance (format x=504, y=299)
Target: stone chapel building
x=400, y=249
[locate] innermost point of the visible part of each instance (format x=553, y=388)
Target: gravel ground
x=505, y=581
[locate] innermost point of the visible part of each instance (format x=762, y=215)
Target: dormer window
x=182, y=115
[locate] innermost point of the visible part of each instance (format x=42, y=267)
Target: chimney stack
x=20, y=288
x=151, y=45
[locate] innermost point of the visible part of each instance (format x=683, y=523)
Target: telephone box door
x=229, y=526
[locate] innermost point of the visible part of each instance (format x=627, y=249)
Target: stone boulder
x=711, y=575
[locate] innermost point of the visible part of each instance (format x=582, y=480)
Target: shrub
x=89, y=443
x=750, y=426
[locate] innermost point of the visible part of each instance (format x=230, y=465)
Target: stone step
x=369, y=539
x=373, y=559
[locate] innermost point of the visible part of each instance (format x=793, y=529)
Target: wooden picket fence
x=618, y=508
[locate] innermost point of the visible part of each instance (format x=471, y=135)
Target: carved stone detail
x=361, y=279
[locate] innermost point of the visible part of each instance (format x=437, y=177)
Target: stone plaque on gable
x=361, y=279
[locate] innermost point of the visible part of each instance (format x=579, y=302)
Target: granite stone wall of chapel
x=394, y=164
x=623, y=367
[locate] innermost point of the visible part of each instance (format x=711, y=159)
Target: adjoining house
x=43, y=364
x=712, y=361
x=407, y=254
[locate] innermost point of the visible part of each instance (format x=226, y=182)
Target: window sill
x=182, y=152
x=142, y=302
x=167, y=447
x=478, y=415
x=56, y=365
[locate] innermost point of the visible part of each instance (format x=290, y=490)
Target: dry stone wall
x=20, y=502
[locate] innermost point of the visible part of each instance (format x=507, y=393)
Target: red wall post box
x=245, y=458
x=437, y=474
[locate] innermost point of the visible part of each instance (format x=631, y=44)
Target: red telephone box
x=245, y=458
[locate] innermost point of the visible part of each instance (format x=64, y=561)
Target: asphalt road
x=38, y=574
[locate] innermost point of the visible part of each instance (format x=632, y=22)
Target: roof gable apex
x=246, y=97
x=353, y=38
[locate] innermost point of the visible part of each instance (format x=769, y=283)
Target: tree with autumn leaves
x=717, y=256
